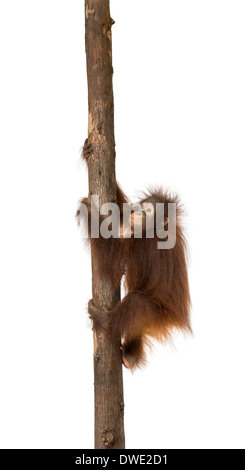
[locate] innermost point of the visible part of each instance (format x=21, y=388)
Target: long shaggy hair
x=157, y=300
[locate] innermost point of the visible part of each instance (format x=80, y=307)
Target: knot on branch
x=100, y=318
x=109, y=438
x=122, y=407
x=89, y=12
x=106, y=28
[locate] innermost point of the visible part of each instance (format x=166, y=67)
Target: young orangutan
x=157, y=297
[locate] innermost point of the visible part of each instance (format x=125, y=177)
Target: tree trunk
x=108, y=382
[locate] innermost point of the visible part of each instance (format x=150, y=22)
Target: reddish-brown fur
x=156, y=281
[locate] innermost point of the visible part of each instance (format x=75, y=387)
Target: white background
x=179, y=122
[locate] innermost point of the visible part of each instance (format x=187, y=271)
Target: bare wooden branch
x=108, y=383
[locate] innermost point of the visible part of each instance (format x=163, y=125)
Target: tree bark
x=108, y=382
